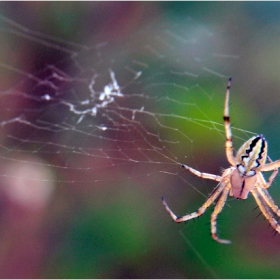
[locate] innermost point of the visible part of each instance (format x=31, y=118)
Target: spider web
x=131, y=106
x=120, y=110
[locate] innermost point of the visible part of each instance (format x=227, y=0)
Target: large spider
x=242, y=177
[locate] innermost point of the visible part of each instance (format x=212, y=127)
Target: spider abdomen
x=251, y=155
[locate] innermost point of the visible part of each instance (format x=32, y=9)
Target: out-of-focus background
x=100, y=103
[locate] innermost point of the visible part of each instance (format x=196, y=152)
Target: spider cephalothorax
x=242, y=177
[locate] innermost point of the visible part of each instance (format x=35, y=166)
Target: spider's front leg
x=202, y=174
x=228, y=144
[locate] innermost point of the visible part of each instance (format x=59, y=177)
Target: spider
x=243, y=176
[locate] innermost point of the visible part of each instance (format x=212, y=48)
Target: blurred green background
x=118, y=228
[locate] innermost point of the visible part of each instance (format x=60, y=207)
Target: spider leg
x=270, y=166
x=228, y=145
x=214, y=194
x=271, y=177
x=265, y=209
x=217, y=210
x=265, y=196
x=202, y=175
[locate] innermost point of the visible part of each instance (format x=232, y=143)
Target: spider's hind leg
x=217, y=210
x=265, y=209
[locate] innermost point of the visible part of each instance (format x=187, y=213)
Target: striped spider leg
x=243, y=176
